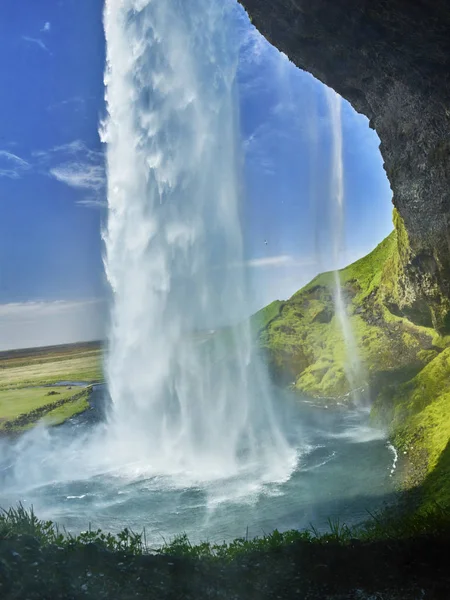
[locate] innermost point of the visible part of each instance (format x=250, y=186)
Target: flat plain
x=37, y=384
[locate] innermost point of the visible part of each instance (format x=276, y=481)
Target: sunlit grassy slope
x=263, y=317
x=304, y=344
x=418, y=414
x=406, y=362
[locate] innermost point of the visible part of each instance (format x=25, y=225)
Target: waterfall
x=182, y=399
x=353, y=367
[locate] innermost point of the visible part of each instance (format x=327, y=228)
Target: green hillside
x=405, y=361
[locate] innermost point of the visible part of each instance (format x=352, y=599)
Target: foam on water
x=393, y=449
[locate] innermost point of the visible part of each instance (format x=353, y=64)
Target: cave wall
x=391, y=60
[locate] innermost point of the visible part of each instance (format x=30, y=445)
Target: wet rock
x=391, y=60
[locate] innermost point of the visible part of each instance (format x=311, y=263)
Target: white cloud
x=74, y=150
x=283, y=260
x=92, y=203
x=73, y=147
x=32, y=324
x=24, y=310
x=13, y=158
x=79, y=167
x=47, y=27
x=11, y=165
x=69, y=149
x=80, y=175
x=270, y=261
x=37, y=42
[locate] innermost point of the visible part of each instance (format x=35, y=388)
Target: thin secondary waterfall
x=353, y=366
x=182, y=399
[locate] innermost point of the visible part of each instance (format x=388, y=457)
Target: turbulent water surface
x=342, y=470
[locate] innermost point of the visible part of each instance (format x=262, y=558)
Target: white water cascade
x=182, y=400
x=192, y=441
x=354, y=370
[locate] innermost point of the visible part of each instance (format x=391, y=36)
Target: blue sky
x=52, y=188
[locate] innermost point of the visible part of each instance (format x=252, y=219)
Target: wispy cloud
x=47, y=27
x=278, y=261
x=92, y=203
x=80, y=175
x=75, y=148
x=269, y=261
x=11, y=165
x=39, y=308
x=37, y=42
x=79, y=167
x=282, y=260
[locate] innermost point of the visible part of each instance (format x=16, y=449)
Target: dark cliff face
x=391, y=60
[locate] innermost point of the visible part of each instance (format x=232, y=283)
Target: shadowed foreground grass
x=378, y=561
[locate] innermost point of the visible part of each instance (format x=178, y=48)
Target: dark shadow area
x=99, y=407
x=435, y=489
x=390, y=569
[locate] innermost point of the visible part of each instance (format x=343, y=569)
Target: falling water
x=182, y=400
x=353, y=366
x=192, y=443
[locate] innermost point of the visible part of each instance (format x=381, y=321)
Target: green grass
x=19, y=401
x=385, y=525
x=19, y=521
x=405, y=360
x=86, y=369
x=40, y=367
x=304, y=343
x=24, y=373
x=23, y=408
x=66, y=411
x=263, y=317
x=418, y=413
x=382, y=526
x=365, y=273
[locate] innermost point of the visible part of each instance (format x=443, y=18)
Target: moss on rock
x=404, y=350
x=418, y=415
x=263, y=317
x=304, y=344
